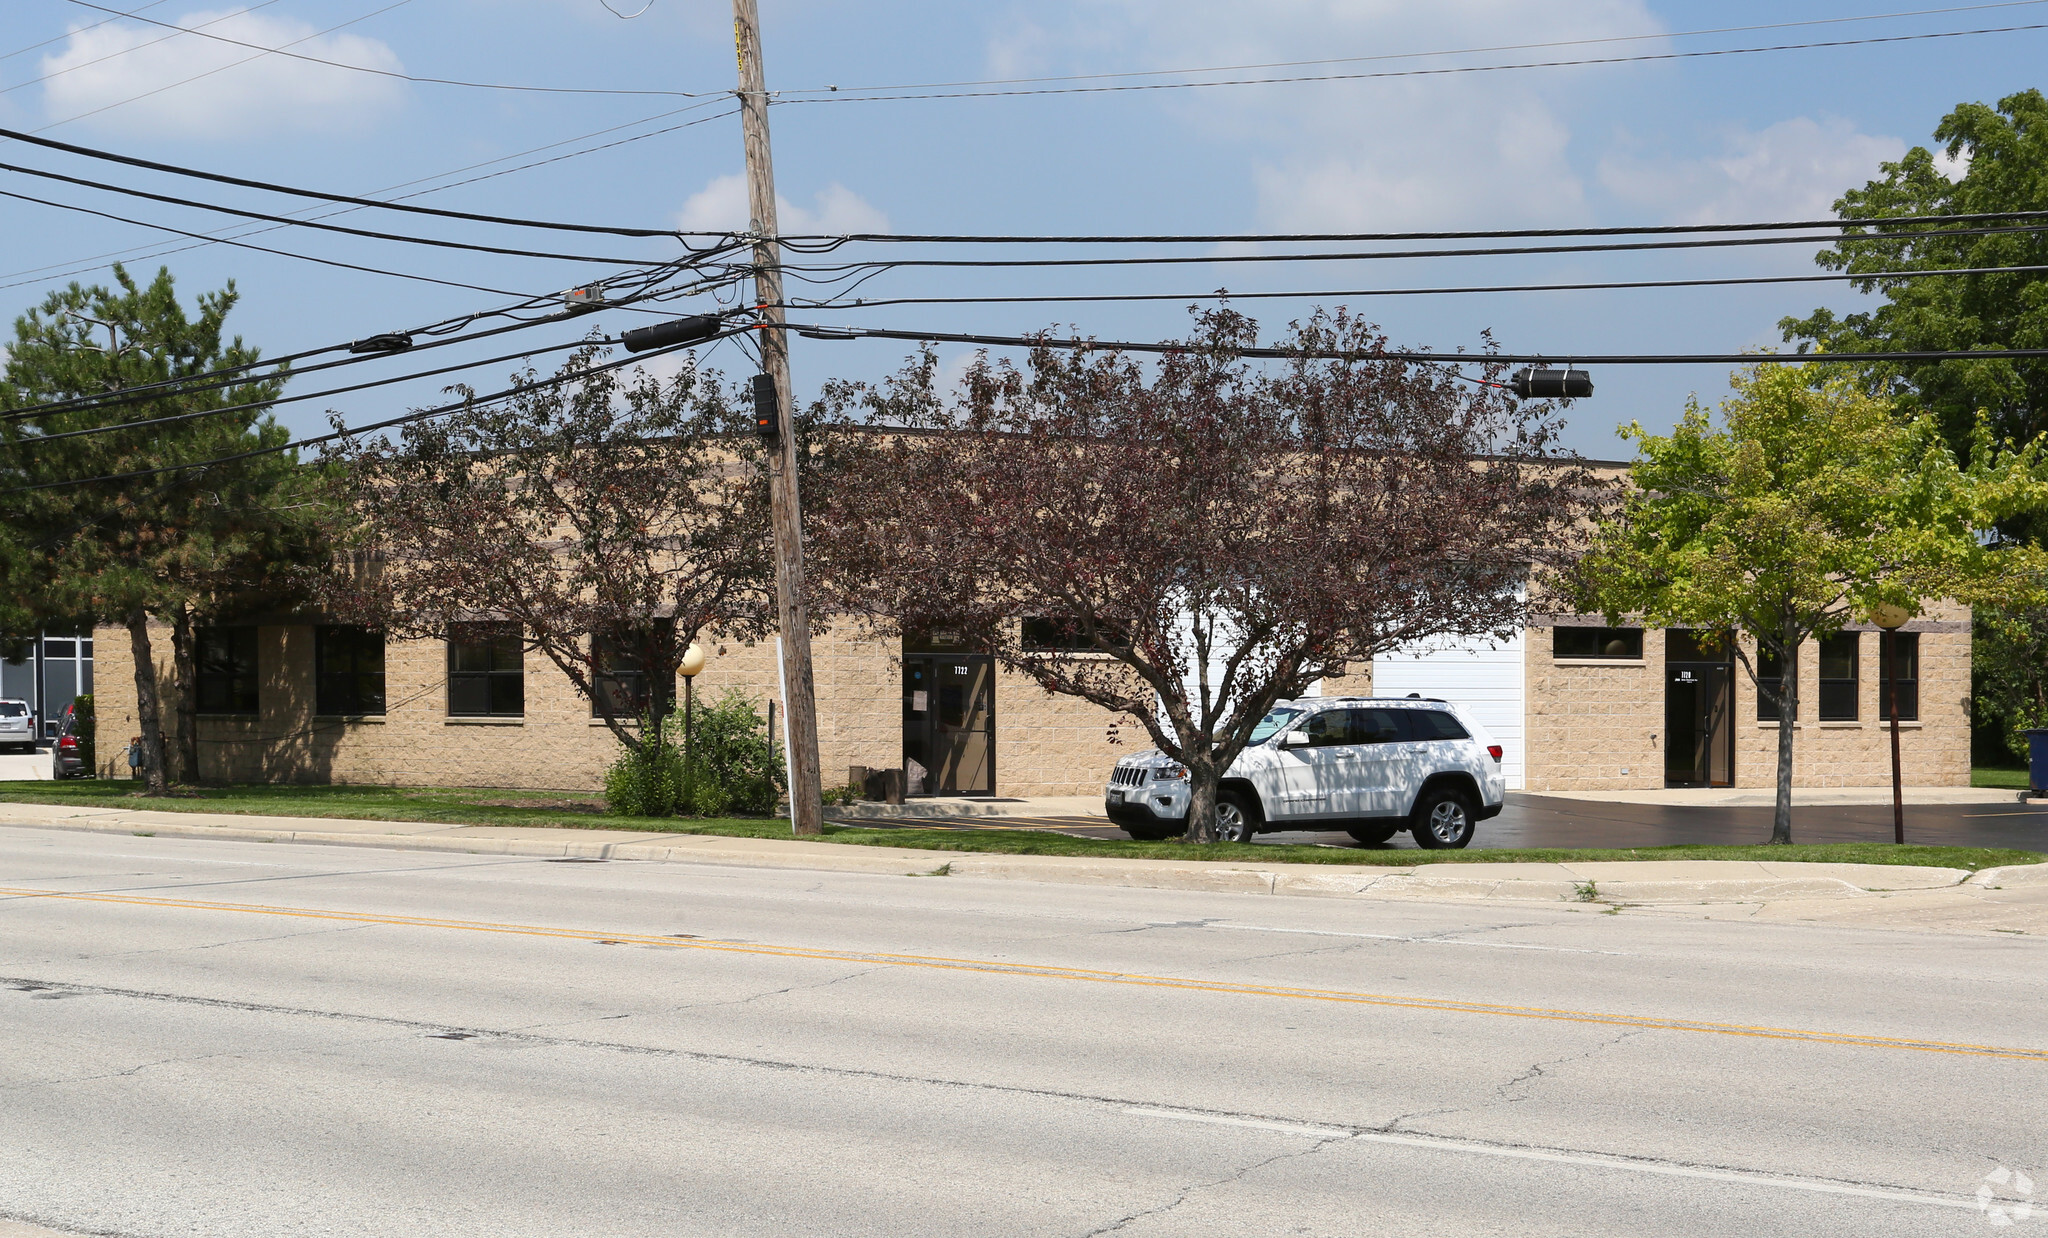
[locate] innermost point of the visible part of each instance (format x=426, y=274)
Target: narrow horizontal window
x=1597, y=643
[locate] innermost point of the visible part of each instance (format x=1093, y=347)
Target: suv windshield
x=1272, y=724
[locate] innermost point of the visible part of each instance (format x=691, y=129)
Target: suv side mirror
x=1295, y=739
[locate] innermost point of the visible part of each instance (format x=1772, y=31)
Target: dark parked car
x=67, y=751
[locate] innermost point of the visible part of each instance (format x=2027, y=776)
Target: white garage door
x=1483, y=678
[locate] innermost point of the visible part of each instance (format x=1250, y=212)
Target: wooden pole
x=806, y=805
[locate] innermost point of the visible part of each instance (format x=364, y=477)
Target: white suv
x=1370, y=766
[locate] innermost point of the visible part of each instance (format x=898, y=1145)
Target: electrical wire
x=1546, y=358
x=272, y=187
x=219, y=69
x=283, y=253
x=87, y=64
x=1465, y=51
x=23, y=51
x=236, y=376
x=797, y=242
x=214, y=238
x=1226, y=295
x=1647, y=57
x=847, y=268
x=387, y=381
x=416, y=415
x=404, y=77
x=307, y=223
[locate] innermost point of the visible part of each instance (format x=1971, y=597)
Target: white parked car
x=1370, y=766
x=17, y=726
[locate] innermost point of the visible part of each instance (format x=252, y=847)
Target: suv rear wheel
x=1237, y=820
x=1443, y=819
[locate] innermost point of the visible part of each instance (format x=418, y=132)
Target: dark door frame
x=930, y=722
x=1725, y=668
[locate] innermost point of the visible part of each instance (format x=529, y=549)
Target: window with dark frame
x=1609, y=643
x=621, y=680
x=1769, y=670
x=486, y=671
x=1905, y=673
x=348, y=677
x=224, y=665
x=1047, y=634
x=1838, y=667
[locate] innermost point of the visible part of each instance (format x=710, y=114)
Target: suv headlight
x=1169, y=773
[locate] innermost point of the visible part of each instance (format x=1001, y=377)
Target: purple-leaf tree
x=610, y=518
x=1201, y=538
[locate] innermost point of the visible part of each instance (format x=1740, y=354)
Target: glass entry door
x=1699, y=730
x=949, y=724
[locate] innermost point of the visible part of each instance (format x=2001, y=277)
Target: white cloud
x=1954, y=167
x=1368, y=153
x=251, y=93
x=1795, y=169
x=721, y=206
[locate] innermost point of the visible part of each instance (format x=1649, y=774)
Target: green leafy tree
x=1813, y=504
x=175, y=547
x=2009, y=678
x=2004, y=154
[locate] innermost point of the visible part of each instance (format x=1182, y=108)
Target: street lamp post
x=689, y=668
x=1890, y=619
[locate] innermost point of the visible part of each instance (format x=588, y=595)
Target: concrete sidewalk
x=2003, y=900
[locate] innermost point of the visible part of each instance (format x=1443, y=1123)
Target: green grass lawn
x=1998, y=776
x=486, y=806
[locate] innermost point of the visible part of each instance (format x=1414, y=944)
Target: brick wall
x=1588, y=721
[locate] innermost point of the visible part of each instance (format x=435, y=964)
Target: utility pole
x=806, y=807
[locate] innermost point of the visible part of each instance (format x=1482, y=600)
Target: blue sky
x=1702, y=139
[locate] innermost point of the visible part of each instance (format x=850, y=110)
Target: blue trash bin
x=2037, y=760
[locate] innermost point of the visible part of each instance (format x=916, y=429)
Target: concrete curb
x=1643, y=883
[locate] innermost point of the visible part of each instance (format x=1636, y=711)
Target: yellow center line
x=1055, y=972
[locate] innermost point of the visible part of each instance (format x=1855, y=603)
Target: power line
x=261, y=4
x=1278, y=238
x=846, y=268
x=1464, y=51
x=405, y=77
x=388, y=381
x=282, y=253
x=848, y=97
x=235, y=376
x=306, y=223
x=213, y=238
x=23, y=51
x=416, y=415
x=218, y=69
x=1225, y=295
x=1554, y=357
x=272, y=187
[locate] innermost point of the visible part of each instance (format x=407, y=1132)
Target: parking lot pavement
x=15, y=766
x=1554, y=821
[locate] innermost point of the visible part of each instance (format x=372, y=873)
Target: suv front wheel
x=1237, y=820
x=1443, y=819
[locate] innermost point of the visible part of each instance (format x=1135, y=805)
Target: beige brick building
x=1578, y=708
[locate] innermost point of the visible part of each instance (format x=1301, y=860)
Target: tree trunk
x=1788, y=719
x=148, y=717
x=185, y=673
x=1203, y=778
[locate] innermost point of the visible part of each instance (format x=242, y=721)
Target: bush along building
x=1577, y=706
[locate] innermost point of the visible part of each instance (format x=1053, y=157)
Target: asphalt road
x=1551, y=821
x=228, y=1039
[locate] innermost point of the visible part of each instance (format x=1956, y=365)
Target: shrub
x=732, y=767
x=647, y=782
